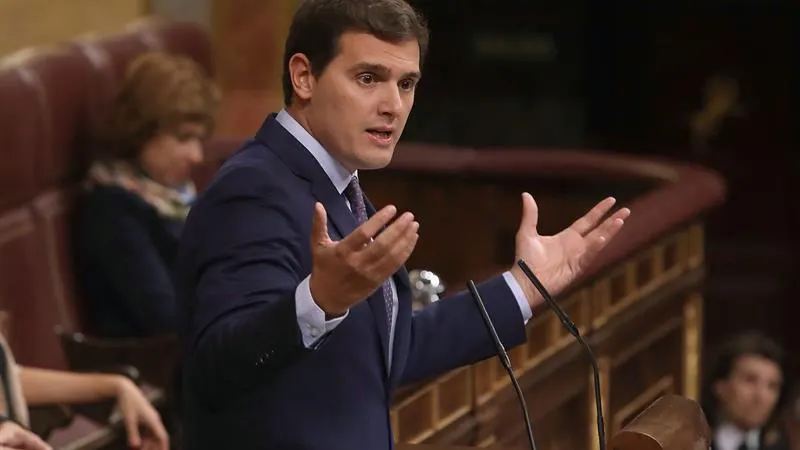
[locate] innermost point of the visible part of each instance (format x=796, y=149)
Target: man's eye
x=407, y=85
x=366, y=78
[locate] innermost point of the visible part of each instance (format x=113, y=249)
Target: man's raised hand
x=348, y=271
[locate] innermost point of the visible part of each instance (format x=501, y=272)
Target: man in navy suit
x=297, y=308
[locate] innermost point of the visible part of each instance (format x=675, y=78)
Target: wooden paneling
x=647, y=345
x=25, y=23
x=248, y=37
x=641, y=314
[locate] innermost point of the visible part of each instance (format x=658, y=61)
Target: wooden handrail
x=681, y=191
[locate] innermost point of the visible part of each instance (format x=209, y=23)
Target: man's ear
x=301, y=77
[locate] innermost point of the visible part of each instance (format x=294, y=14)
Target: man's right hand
x=348, y=271
x=14, y=437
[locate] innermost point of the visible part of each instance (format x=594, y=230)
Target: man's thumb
x=530, y=214
x=320, y=226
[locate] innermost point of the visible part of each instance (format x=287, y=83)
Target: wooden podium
x=670, y=423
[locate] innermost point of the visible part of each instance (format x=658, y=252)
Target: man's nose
x=391, y=101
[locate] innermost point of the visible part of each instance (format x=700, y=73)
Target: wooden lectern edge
x=671, y=422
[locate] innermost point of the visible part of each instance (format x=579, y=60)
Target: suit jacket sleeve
x=451, y=333
x=247, y=263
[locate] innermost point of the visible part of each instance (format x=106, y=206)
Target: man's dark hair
x=721, y=368
x=317, y=26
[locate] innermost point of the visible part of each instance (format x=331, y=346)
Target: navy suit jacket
x=249, y=382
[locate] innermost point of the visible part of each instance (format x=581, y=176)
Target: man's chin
x=752, y=424
x=376, y=161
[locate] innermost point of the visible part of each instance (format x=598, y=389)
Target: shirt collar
x=337, y=173
x=729, y=437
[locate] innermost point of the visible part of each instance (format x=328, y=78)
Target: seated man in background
x=744, y=392
x=138, y=193
x=24, y=386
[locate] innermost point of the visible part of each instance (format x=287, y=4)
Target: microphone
x=573, y=330
x=504, y=359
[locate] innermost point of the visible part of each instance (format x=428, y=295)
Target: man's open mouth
x=380, y=134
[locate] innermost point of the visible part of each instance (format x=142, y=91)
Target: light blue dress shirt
x=310, y=317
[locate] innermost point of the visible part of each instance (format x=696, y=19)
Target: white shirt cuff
x=310, y=317
x=524, y=307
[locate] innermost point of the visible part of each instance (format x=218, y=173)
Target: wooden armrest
x=154, y=358
x=678, y=193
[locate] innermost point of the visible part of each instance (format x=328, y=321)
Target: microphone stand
x=504, y=359
x=574, y=331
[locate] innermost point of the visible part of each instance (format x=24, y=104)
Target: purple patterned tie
x=355, y=196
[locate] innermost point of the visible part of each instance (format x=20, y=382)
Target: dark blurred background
x=632, y=77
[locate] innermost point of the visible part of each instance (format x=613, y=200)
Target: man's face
x=357, y=108
x=751, y=392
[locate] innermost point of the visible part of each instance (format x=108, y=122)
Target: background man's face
x=749, y=395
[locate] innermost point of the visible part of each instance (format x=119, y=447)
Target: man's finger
x=530, y=214
x=601, y=235
x=405, y=246
x=319, y=226
x=388, y=238
x=398, y=253
x=585, y=224
x=363, y=234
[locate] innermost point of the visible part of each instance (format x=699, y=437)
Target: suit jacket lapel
x=378, y=305
x=402, y=284
x=303, y=164
x=341, y=220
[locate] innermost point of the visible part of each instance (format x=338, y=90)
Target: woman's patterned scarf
x=169, y=202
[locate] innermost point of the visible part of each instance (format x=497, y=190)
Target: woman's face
x=169, y=157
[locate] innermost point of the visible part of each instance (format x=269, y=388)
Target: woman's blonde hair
x=159, y=93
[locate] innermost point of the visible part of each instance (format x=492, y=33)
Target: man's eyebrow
x=383, y=70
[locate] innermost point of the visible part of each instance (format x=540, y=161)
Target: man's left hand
x=559, y=259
